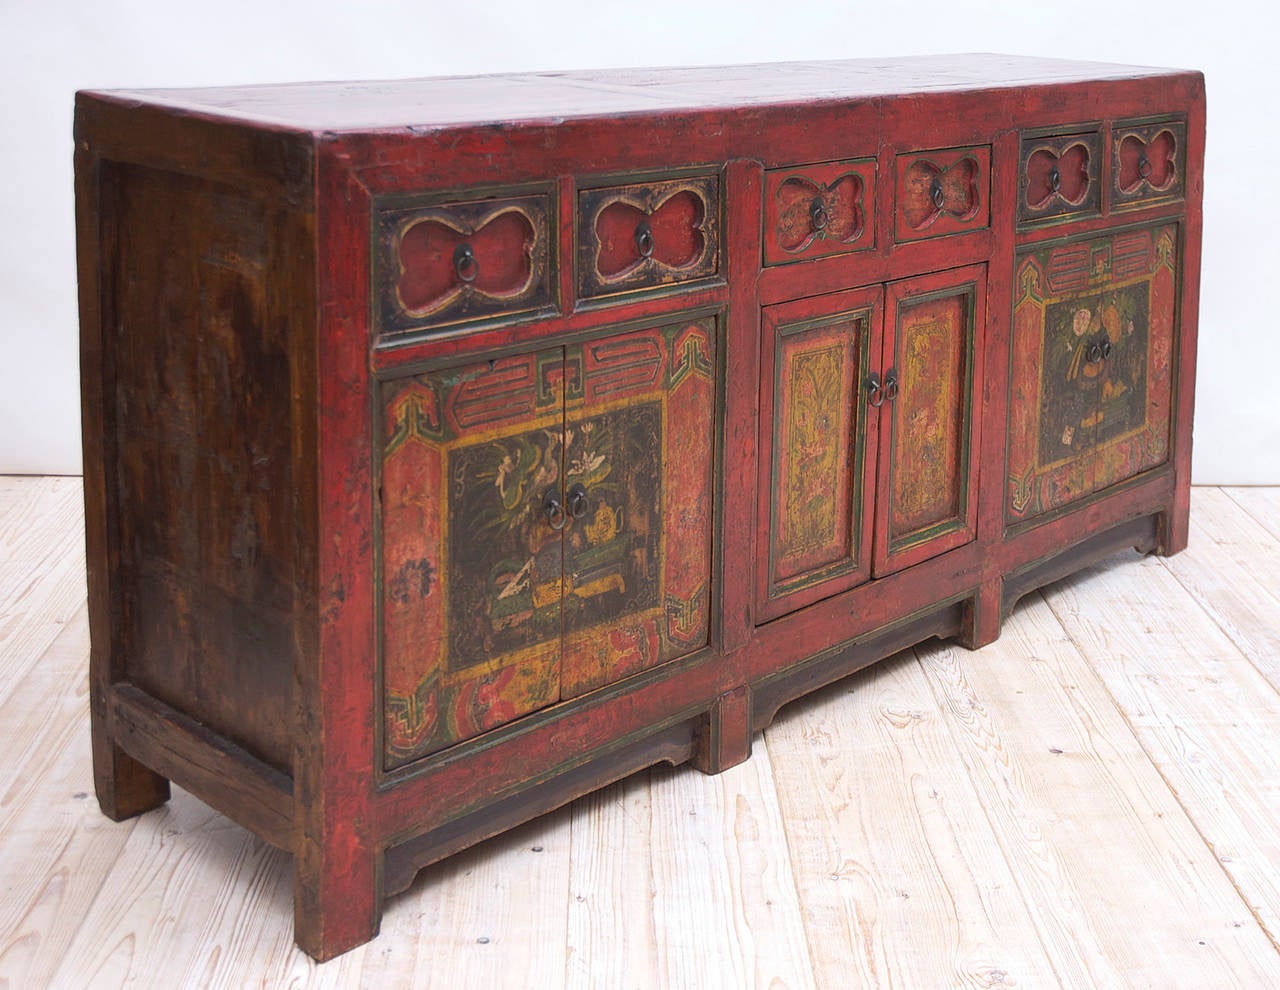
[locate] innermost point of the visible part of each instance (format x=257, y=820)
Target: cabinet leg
x=724, y=737
x=1174, y=527
x=337, y=899
x=124, y=786
x=982, y=615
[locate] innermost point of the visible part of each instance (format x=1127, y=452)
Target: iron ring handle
x=644, y=239
x=1094, y=353
x=891, y=385
x=577, y=502
x=557, y=518
x=936, y=194
x=1105, y=349
x=818, y=216
x=1144, y=166
x=875, y=393
x=1055, y=179
x=465, y=264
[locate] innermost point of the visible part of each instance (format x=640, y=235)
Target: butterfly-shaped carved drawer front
x=817, y=210
x=441, y=262
x=648, y=235
x=1148, y=162
x=1058, y=176
x=942, y=192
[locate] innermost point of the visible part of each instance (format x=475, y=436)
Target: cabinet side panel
x=202, y=478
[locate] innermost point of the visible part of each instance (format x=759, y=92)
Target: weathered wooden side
x=186, y=265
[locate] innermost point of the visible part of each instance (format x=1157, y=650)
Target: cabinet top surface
x=453, y=100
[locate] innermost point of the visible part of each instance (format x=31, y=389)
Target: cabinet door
x=817, y=439
x=1092, y=351
x=470, y=566
x=640, y=431
x=927, y=495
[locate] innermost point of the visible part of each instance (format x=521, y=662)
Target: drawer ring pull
x=1094, y=353
x=552, y=508
x=644, y=239
x=1055, y=179
x=818, y=216
x=891, y=385
x=465, y=264
x=937, y=194
x=875, y=394
x=1144, y=166
x=1105, y=349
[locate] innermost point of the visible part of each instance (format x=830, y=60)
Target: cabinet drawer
x=647, y=235
x=445, y=261
x=1058, y=176
x=1148, y=162
x=942, y=192
x=816, y=210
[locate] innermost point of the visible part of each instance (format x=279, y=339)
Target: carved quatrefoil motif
x=931, y=191
x=669, y=235
x=1152, y=162
x=808, y=211
x=442, y=258
x=1064, y=176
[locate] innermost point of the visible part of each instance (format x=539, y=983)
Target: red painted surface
x=819, y=210
x=724, y=167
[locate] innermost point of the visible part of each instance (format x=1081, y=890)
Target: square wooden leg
x=1175, y=526
x=337, y=898
x=724, y=739
x=125, y=787
x=982, y=615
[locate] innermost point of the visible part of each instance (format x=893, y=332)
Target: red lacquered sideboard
x=454, y=447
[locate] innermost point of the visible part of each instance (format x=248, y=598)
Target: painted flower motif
x=586, y=462
x=1081, y=322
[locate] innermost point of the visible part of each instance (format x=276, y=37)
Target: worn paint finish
x=1059, y=176
x=641, y=440
x=647, y=235
x=942, y=192
x=819, y=210
x=929, y=462
x=1080, y=422
x=489, y=610
x=440, y=264
x=470, y=569
x=818, y=442
x=325, y=167
x=930, y=413
x=817, y=381
x=1149, y=162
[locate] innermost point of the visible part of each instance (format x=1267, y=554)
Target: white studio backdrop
x=58, y=46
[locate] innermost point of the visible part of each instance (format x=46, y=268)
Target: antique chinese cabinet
x=455, y=447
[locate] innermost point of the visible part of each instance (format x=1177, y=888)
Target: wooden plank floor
x=1092, y=801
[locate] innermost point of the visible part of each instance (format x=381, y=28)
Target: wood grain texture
x=41, y=532
x=1232, y=569
x=1262, y=504
x=648, y=849
x=237, y=506
x=1138, y=855
x=1204, y=714
x=1091, y=833
x=56, y=849
x=493, y=916
x=899, y=879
